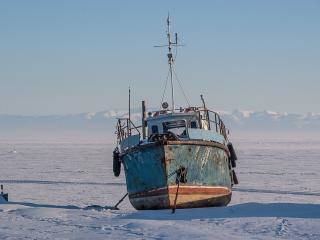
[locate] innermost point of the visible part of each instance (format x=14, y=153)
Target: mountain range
x=103, y=123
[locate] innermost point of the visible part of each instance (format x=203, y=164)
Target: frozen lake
x=51, y=183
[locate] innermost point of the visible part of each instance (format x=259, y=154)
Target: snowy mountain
x=103, y=123
x=268, y=120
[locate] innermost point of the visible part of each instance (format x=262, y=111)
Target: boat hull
x=188, y=197
x=151, y=175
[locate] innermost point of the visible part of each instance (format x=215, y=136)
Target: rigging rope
x=180, y=85
x=165, y=88
x=181, y=88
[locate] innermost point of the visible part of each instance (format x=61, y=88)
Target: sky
x=65, y=57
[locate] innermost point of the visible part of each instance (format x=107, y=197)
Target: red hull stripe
x=185, y=190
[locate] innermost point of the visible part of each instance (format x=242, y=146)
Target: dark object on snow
x=5, y=196
x=116, y=162
x=99, y=208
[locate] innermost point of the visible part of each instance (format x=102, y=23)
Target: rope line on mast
x=165, y=88
x=181, y=88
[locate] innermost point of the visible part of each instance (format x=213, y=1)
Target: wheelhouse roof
x=171, y=115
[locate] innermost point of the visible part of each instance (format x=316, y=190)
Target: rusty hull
x=151, y=174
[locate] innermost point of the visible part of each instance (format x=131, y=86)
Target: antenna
x=170, y=57
x=129, y=122
x=170, y=61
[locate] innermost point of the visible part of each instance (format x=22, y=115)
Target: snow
x=91, y=115
x=247, y=114
x=51, y=185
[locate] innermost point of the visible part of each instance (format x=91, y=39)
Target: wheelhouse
x=193, y=123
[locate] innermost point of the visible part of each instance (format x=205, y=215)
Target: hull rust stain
x=151, y=175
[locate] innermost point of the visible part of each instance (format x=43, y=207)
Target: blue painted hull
x=151, y=174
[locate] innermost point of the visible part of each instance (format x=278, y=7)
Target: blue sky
x=60, y=57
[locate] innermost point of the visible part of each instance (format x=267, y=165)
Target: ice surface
x=51, y=184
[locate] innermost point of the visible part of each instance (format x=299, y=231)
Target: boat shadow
x=37, y=205
x=245, y=210
x=47, y=182
x=69, y=207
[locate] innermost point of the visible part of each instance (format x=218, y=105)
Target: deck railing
x=125, y=127
x=214, y=122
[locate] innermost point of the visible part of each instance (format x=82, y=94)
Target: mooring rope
x=181, y=177
x=175, y=200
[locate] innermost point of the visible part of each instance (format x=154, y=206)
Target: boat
x=178, y=157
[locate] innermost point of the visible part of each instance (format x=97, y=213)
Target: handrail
x=219, y=125
x=124, y=129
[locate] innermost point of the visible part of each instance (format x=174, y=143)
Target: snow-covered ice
x=51, y=184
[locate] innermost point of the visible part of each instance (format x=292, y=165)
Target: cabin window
x=176, y=127
x=154, y=129
x=193, y=124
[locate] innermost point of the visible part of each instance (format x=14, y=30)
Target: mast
x=170, y=57
x=170, y=61
x=129, y=123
